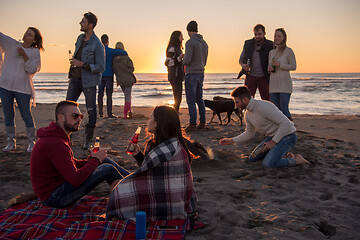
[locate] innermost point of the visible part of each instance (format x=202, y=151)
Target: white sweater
x=264, y=117
x=16, y=75
x=280, y=80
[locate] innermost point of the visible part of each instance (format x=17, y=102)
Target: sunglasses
x=76, y=115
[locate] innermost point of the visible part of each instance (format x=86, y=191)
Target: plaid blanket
x=162, y=187
x=33, y=220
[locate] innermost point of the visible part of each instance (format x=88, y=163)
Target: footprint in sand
x=326, y=229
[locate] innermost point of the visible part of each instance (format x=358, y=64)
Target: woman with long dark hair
x=162, y=186
x=174, y=57
x=22, y=61
x=281, y=62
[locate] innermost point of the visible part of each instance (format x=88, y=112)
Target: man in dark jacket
x=57, y=177
x=196, y=52
x=254, y=60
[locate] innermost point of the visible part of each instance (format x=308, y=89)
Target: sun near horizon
x=321, y=33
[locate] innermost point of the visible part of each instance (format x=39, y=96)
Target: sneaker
x=201, y=126
x=190, y=127
x=112, y=116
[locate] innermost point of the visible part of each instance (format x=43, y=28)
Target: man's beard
x=71, y=128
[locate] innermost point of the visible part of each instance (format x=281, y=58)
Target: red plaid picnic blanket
x=34, y=220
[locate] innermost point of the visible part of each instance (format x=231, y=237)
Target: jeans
x=281, y=100
x=262, y=83
x=108, y=83
x=73, y=93
x=177, y=91
x=274, y=157
x=127, y=93
x=23, y=101
x=67, y=194
x=194, y=94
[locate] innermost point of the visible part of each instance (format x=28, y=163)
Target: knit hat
x=192, y=26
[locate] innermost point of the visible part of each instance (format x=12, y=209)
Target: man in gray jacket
x=196, y=52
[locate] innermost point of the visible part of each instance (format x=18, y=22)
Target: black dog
x=220, y=105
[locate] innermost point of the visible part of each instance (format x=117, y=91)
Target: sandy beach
x=236, y=199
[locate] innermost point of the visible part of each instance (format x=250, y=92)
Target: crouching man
x=57, y=177
x=264, y=117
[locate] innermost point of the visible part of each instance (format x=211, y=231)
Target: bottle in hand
x=248, y=63
x=96, y=145
x=272, y=64
x=134, y=140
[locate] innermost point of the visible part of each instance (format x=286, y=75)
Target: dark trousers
x=177, y=87
x=73, y=93
x=261, y=83
x=107, y=82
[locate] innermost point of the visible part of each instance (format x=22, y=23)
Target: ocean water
x=313, y=93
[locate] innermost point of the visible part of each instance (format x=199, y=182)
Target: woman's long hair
x=281, y=47
x=168, y=126
x=38, y=39
x=174, y=40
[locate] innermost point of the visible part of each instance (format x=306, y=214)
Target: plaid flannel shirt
x=162, y=187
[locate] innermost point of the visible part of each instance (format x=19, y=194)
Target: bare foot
x=300, y=160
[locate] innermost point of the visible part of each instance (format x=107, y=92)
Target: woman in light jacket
x=281, y=62
x=22, y=61
x=123, y=68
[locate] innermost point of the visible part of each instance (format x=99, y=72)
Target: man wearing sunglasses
x=256, y=52
x=57, y=177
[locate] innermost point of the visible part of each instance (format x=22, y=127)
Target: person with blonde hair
x=281, y=62
x=123, y=68
x=107, y=80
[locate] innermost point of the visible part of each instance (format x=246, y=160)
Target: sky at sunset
x=324, y=34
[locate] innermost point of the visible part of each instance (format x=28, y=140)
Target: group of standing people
x=194, y=62
x=268, y=65
x=118, y=62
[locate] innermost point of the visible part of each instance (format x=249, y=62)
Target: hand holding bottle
x=246, y=67
x=275, y=63
x=132, y=147
x=270, y=69
x=100, y=154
